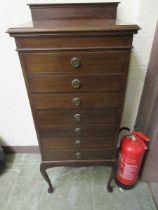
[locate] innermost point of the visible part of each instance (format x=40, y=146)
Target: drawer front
x=72, y=101
x=74, y=41
x=87, y=130
x=83, y=116
x=75, y=61
x=77, y=143
x=75, y=83
x=50, y=155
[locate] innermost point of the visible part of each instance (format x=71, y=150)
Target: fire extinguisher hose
x=124, y=128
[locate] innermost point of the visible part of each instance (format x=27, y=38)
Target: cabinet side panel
x=29, y=96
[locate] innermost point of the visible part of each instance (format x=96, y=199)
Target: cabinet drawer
x=77, y=143
x=72, y=101
x=77, y=116
x=90, y=61
x=49, y=155
x=75, y=83
x=73, y=41
x=87, y=130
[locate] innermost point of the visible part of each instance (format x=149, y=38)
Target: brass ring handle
x=75, y=62
x=78, y=155
x=77, y=131
x=77, y=117
x=76, y=101
x=76, y=83
x=78, y=142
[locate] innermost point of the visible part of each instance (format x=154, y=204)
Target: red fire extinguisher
x=132, y=149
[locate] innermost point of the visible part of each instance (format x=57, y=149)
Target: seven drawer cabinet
x=75, y=61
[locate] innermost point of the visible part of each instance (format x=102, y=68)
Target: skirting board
x=21, y=149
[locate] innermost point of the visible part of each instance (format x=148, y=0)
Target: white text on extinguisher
x=128, y=167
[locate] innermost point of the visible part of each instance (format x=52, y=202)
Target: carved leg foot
x=43, y=168
x=109, y=187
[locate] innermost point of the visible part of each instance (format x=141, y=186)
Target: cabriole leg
x=43, y=168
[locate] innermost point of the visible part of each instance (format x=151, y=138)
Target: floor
x=23, y=188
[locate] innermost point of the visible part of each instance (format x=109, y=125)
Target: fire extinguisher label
x=127, y=168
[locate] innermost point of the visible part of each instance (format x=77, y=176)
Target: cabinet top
x=73, y=18
x=68, y=4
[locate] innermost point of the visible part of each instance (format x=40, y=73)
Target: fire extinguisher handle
x=141, y=135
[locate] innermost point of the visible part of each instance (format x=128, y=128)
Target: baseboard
x=21, y=149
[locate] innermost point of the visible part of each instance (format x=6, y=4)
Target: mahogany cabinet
x=75, y=60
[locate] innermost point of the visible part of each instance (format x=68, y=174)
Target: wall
x=16, y=124
x=147, y=17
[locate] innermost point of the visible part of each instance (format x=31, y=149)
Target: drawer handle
x=77, y=117
x=76, y=101
x=77, y=131
x=75, y=62
x=76, y=83
x=78, y=142
x=78, y=155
